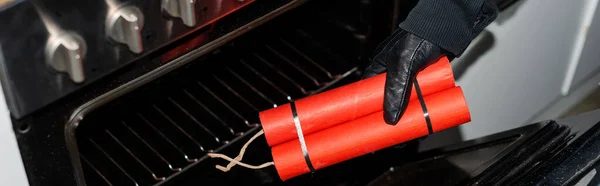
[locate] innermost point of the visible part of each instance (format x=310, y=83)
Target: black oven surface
x=130, y=125
x=32, y=77
x=153, y=121
x=164, y=128
x=45, y=137
x=167, y=126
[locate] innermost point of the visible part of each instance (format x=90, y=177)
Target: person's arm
x=450, y=24
x=434, y=28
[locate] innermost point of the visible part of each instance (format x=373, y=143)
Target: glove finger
x=378, y=64
x=400, y=75
x=377, y=67
x=397, y=91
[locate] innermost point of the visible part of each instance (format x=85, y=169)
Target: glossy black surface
x=172, y=122
x=43, y=142
x=571, y=164
x=41, y=135
x=31, y=83
x=152, y=133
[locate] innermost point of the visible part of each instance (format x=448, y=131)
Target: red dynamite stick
x=346, y=103
x=370, y=133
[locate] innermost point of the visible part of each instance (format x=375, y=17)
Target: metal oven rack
x=163, y=128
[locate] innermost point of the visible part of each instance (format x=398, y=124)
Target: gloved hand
x=402, y=55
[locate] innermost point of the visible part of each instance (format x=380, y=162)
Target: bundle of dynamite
x=347, y=122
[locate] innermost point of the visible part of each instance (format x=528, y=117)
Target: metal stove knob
x=65, y=53
x=184, y=9
x=125, y=26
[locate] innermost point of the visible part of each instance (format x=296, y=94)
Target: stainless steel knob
x=65, y=53
x=184, y=9
x=124, y=25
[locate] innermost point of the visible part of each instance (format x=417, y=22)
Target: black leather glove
x=402, y=55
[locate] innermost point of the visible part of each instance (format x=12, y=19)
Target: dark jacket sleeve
x=451, y=24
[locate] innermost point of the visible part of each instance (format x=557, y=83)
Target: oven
x=137, y=92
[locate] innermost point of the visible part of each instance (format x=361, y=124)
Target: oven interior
x=133, y=127
x=161, y=132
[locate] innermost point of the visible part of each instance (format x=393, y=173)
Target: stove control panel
x=184, y=9
x=51, y=48
x=124, y=25
x=65, y=53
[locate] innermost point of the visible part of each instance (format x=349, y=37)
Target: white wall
x=523, y=73
x=12, y=171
